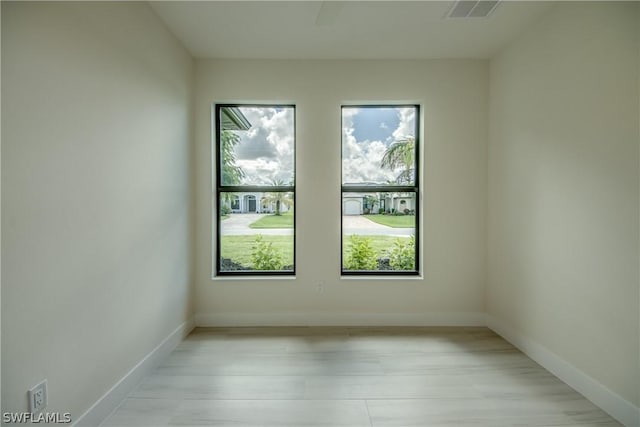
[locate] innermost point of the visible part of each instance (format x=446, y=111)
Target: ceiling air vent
x=472, y=9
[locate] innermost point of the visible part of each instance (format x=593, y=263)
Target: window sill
x=251, y=278
x=389, y=277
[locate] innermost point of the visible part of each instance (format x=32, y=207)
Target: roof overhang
x=233, y=119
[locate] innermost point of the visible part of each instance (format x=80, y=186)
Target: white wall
x=455, y=107
x=96, y=203
x=563, y=190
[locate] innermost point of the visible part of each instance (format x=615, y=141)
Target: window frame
x=220, y=188
x=415, y=188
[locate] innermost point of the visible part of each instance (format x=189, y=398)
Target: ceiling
x=342, y=29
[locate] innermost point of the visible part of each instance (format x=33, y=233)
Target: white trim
x=100, y=410
x=341, y=319
x=618, y=407
x=274, y=278
x=383, y=277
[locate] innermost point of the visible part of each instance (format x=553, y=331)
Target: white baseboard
x=112, y=398
x=619, y=408
x=341, y=319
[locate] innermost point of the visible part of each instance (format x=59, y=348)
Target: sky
x=367, y=132
x=266, y=151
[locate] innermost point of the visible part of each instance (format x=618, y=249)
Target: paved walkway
x=357, y=224
x=238, y=225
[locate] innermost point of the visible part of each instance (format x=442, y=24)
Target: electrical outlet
x=38, y=397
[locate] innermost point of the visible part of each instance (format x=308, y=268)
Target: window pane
x=378, y=145
x=257, y=145
x=378, y=231
x=256, y=231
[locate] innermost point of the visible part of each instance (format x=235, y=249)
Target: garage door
x=352, y=207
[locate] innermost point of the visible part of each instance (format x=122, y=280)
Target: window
x=255, y=190
x=380, y=190
x=235, y=204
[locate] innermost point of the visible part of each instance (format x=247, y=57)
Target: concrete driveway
x=357, y=224
x=238, y=225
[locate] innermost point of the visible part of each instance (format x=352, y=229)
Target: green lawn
x=239, y=248
x=380, y=244
x=274, y=221
x=399, y=221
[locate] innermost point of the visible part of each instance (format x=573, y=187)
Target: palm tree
x=278, y=198
x=401, y=154
x=231, y=173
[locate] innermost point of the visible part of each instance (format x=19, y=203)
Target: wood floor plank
x=221, y=387
x=143, y=412
x=269, y=364
x=388, y=387
x=483, y=412
x=272, y=413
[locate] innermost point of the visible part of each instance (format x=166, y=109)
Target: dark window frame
x=415, y=188
x=220, y=188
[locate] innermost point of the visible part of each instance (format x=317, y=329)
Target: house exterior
x=375, y=202
x=253, y=202
x=353, y=204
x=372, y=203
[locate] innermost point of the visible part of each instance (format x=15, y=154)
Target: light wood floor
x=352, y=377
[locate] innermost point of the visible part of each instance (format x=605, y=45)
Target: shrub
x=225, y=210
x=381, y=211
x=402, y=255
x=265, y=256
x=361, y=255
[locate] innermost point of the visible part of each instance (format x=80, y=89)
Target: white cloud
x=361, y=159
x=365, y=166
x=407, y=125
x=266, y=151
